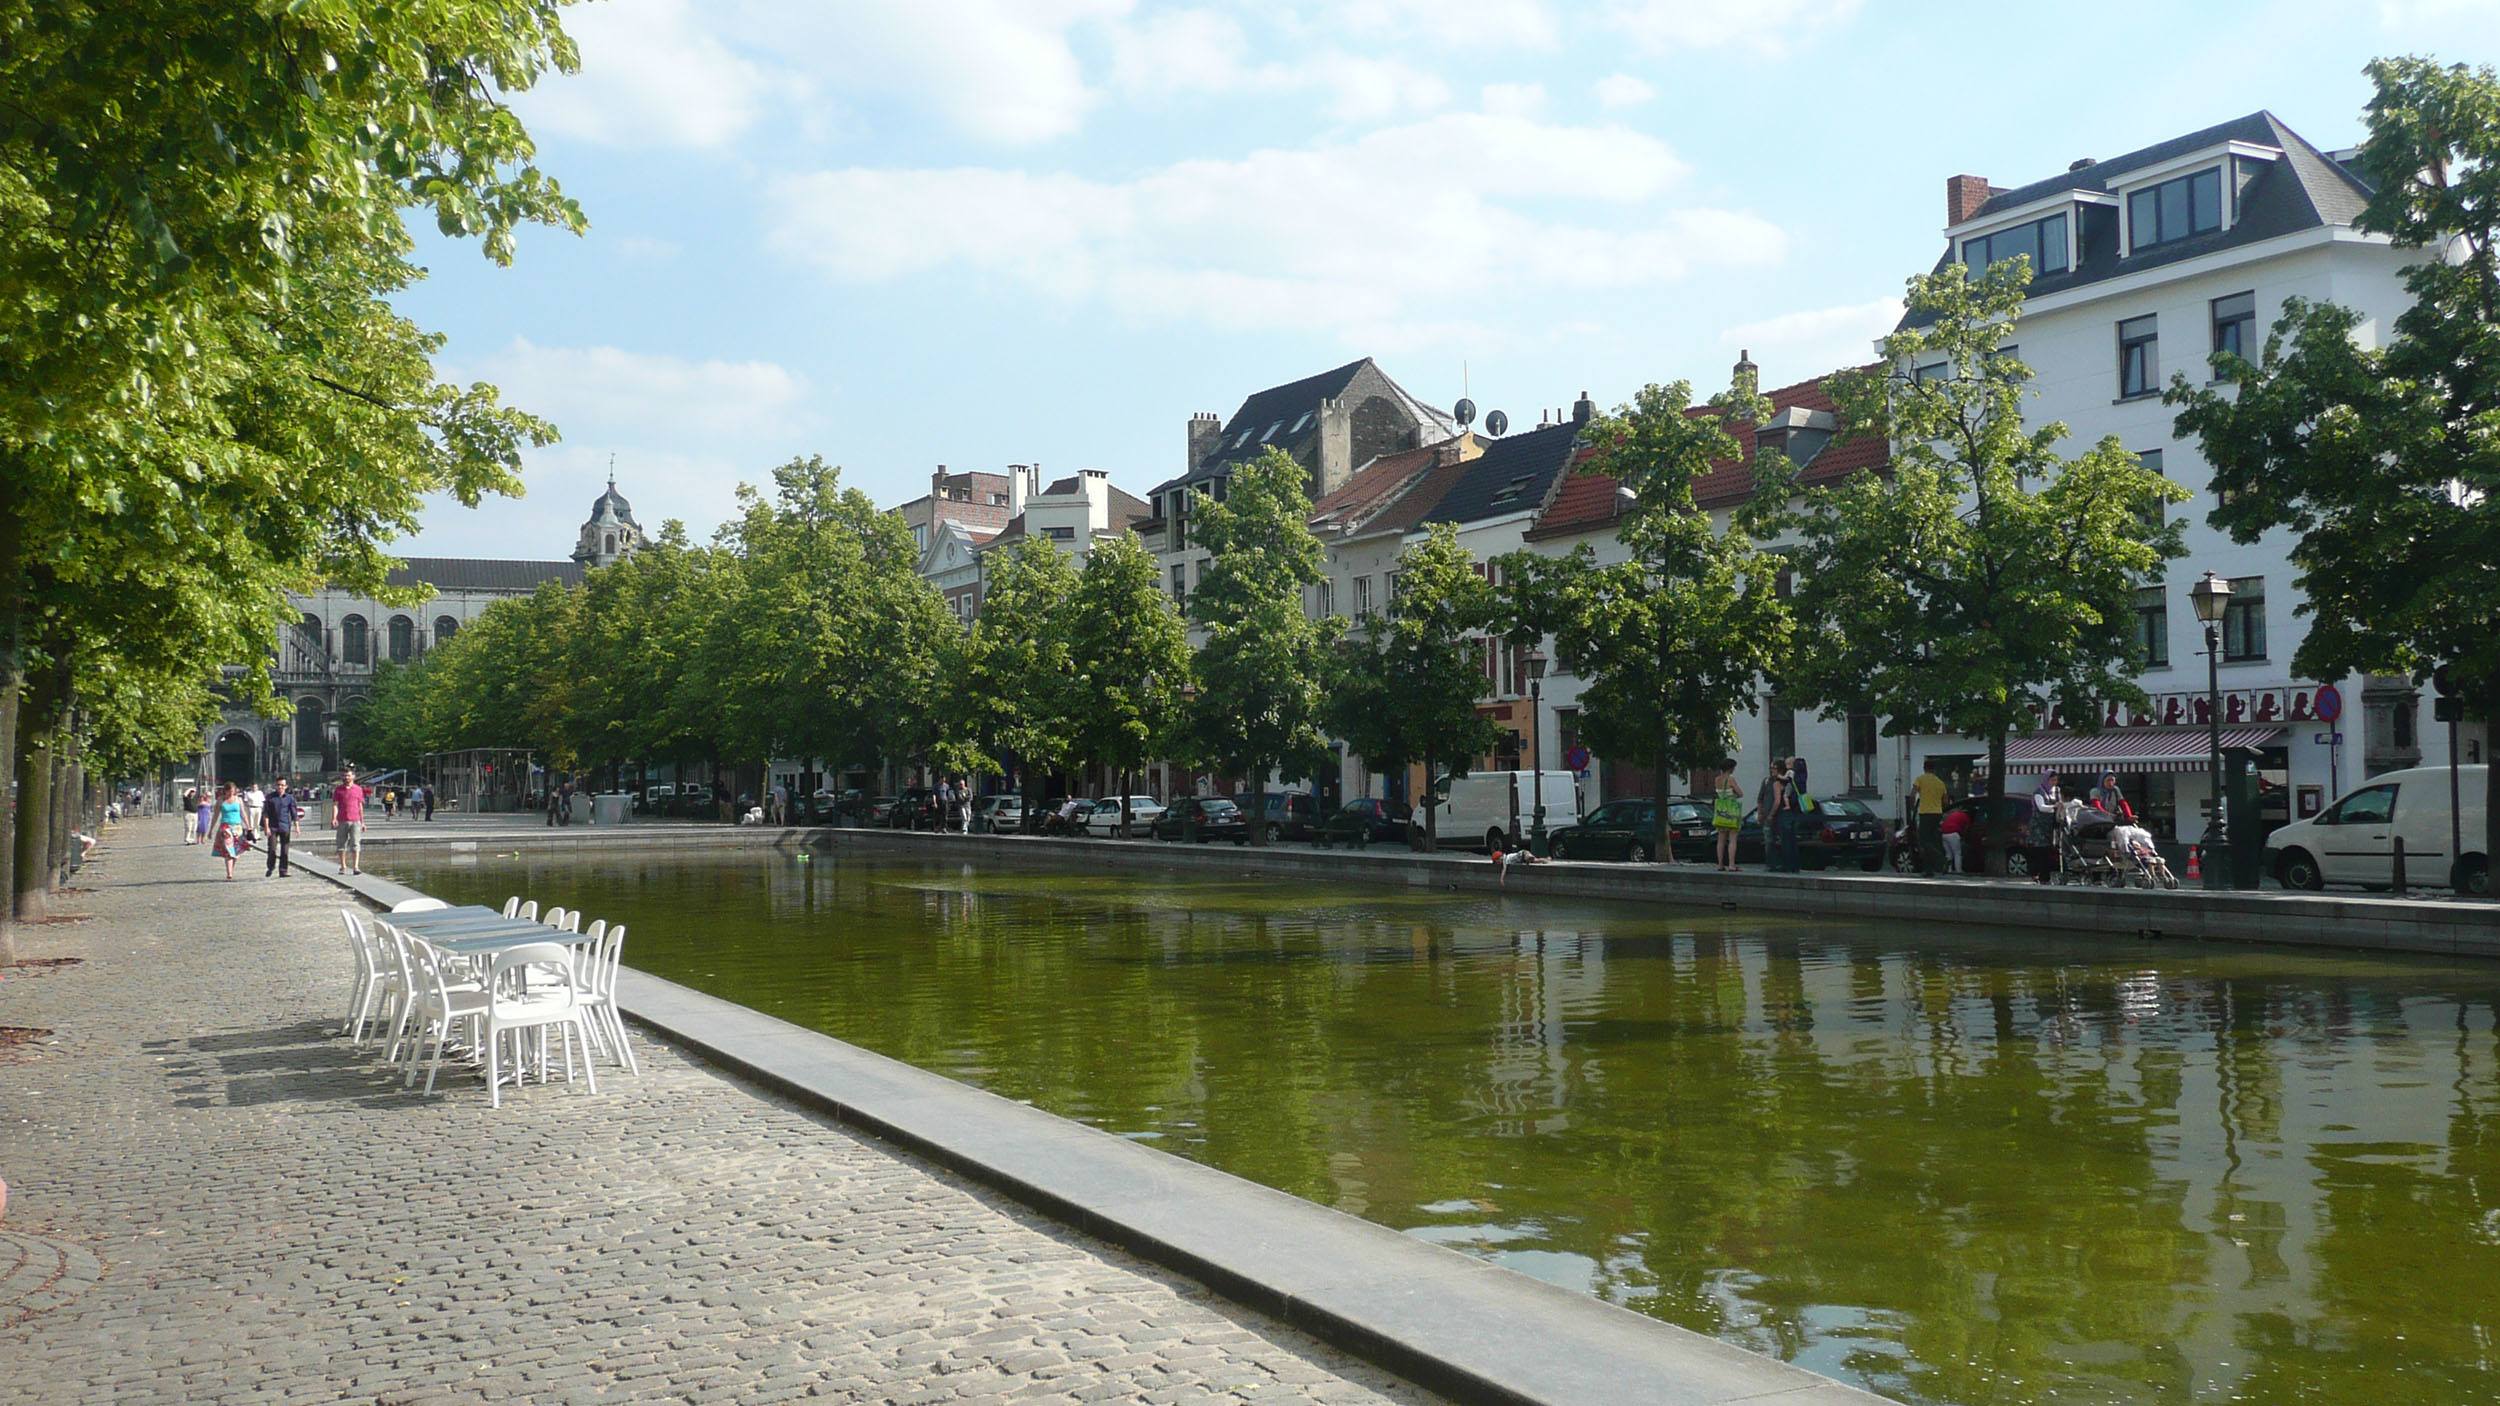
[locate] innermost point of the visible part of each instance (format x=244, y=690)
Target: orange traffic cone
x=2196, y=870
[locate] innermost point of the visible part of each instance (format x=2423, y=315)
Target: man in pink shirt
x=347, y=812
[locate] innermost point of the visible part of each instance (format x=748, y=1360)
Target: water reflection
x=1949, y=1166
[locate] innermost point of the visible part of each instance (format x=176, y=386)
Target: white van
x=2354, y=840
x=1472, y=812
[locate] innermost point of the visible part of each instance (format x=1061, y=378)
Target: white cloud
x=1003, y=71
x=1480, y=25
x=1196, y=54
x=1514, y=99
x=1764, y=26
x=652, y=74
x=606, y=394
x=643, y=248
x=1794, y=346
x=1621, y=90
x=1405, y=221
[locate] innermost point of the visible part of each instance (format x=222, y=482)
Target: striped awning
x=2134, y=749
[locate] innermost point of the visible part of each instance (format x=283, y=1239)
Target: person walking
x=426, y=794
x=347, y=816
x=191, y=815
x=204, y=816
x=282, y=810
x=229, y=841
x=1778, y=806
x=1929, y=788
x=963, y=805
x=390, y=801
x=1727, y=816
x=253, y=801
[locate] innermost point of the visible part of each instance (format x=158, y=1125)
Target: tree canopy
x=1405, y=682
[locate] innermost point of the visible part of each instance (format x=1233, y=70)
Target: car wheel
x=2299, y=870
x=2472, y=875
x=1275, y=834
x=1363, y=838
x=2018, y=864
x=1638, y=853
x=1492, y=840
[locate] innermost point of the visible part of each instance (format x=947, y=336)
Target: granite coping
x=1443, y=1319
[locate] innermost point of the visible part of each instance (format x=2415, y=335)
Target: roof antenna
x=611, y=472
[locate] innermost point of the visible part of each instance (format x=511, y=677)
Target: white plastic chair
x=512, y=906
x=516, y=1003
x=568, y=920
x=529, y=911
x=376, y=977
x=597, y=981
x=443, y=999
x=555, y=918
x=419, y=905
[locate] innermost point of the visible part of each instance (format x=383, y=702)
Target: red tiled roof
x=1371, y=485
x=1587, y=501
x=1417, y=503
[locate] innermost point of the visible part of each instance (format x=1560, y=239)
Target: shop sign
x=2241, y=707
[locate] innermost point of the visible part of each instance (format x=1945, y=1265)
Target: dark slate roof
x=1283, y=408
x=2306, y=189
x=467, y=574
x=1515, y=474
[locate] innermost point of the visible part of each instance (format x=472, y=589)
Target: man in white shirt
x=253, y=800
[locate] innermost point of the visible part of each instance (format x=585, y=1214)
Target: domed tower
x=611, y=535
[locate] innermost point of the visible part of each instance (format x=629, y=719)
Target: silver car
x=1104, y=821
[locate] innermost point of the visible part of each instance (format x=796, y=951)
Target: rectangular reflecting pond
x=1950, y=1165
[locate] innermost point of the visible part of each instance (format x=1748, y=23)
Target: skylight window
x=1270, y=436
x=1241, y=439
x=1300, y=424
x=1513, y=488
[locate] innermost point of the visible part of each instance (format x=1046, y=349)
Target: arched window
x=312, y=626
x=607, y=544
x=352, y=645
x=308, y=725
x=444, y=628
x=403, y=639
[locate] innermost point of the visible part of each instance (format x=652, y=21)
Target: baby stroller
x=2141, y=861
x=2086, y=850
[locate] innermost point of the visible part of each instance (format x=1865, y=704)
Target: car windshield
x=1683, y=811
x=1218, y=807
x=1615, y=813
x=1855, y=810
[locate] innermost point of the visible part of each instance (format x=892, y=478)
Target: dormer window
x=1270, y=436
x=2042, y=241
x=2177, y=209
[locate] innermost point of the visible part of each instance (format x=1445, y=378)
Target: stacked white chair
x=444, y=998
x=529, y=911
x=597, y=981
x=512, y=906
x=530, y=988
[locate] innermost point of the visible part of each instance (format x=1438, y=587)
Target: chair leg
x=494, y=1070
x=590, y=1067
x=442, y=1036
x=616, y=1018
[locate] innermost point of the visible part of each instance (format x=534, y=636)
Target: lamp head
x=1536, y=663
x=2211, y=596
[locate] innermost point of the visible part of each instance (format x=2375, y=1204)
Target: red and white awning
x=2134, y=749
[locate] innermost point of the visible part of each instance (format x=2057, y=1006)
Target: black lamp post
x=1536, y=746
x=2212, y=598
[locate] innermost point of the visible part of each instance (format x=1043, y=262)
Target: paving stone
x=214, y=1198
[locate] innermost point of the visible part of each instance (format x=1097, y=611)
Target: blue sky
x=901, y=233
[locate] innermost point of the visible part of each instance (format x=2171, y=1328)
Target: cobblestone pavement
x=213, y=1198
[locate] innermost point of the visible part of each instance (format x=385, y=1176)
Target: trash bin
x=579, y=812
x=611, y=809
x=2247, y=858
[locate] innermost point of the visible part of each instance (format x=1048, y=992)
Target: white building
x=2147, y=265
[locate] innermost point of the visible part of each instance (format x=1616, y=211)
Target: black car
x=2027, y=856
x=1216, y=818
x=1625, y=830
x=1840, y=832
x=1362, y=821
x=1291, y=815
x=915, y=809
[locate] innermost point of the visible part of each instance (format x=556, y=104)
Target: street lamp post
x=2212, y=598
x=1536, y=746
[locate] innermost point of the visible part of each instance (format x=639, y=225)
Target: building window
x=2175, y=209
x=2235, y=325
x=2152, y=626
x=2139, y=359
x=2244, y=619
x=1862, y=734
x=1389, y=594
x=307, y=725
x=1362, y=597
x=353, y=646
x=2158, y=512
x=1180, y=582
x=2041, y=241
x=1932, y=371
x=403, y=639
x=444, y=628
x=1324, y=598
x=1060, y=534
x=1783, y=720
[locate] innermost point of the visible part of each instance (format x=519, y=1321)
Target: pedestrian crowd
x=232, y=820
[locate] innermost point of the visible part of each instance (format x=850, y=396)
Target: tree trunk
x=1432, y=818
x=2490, y=712
x=1661, y=785
x=1127, y=784
x=34, y=823
x=1994, y=827
x=12, y=680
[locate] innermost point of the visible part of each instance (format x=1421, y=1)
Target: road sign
x=2329, y=702
x=1577, y=758
x=2328, y=739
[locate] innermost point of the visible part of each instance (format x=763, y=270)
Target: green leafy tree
x=1988, y=573
x=1672, y=641
x=1128, y=662
x=1406, y=682
x=2385, y=462
x=1260, y=671
x=1018, y=692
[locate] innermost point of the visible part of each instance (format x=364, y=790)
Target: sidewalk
x=213, y=1198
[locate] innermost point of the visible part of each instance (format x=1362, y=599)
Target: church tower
x=611, y=535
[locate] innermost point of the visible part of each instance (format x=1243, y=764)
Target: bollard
x=2399, y=876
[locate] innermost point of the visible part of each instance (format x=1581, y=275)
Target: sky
x=905, y=233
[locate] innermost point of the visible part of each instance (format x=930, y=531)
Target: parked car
x=1104, y=821
x=915, y=809
x=1841, y=832
x=1475, y=811
x=1291, y=815
x=2027, y=859
x=2353, y=841
x=1626, y=830
x=1362, y=821
x=1001, y=814
x=1064, y=816
x=1216, y=818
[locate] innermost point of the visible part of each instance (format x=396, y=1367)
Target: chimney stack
x=1746, y=377
x=1206, y=433
x=1583, y=410
x=1015, y=489
x=1963, y=195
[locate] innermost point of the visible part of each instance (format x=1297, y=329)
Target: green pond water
x=1947, y=1164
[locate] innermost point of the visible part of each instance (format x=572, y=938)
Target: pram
x=2087, y=851
x=2141, y=859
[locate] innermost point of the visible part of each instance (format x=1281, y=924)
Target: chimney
x=1015, y=489
x=2080, y=163
x=937, y=497
x=1583, y=410
x=1745, y=376
x=1205, y=433
x=1963, y=195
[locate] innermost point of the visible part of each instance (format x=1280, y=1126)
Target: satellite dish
x=1497, y=424
x=1465, y=412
